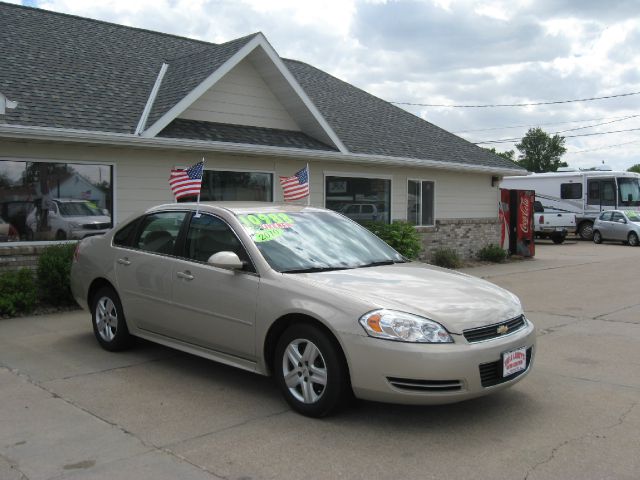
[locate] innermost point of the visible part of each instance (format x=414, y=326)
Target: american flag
x=296, y=187
x=186, y=182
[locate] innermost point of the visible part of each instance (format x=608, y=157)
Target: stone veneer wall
x=464, y=235
x=15, y=257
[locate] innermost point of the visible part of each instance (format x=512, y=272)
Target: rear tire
x=311, y=371
x=558, y=238
x=109, y=324
x=597, y=237
x=633, y=239
x=61, y=235
x=585, y=230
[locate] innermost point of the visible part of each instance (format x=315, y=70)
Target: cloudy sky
x=445, y=52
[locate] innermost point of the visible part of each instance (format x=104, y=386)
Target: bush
x=401, y=236
x=446, y=257
x=18, y=292
x=492, y=253
x=54, y=267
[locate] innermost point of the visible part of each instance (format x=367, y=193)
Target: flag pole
x=197, y=215
x=309, y=180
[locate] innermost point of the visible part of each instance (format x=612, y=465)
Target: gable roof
x=95, y=76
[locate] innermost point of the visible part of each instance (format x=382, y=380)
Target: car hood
x=455, y=300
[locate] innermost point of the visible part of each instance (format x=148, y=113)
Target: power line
x=604, y=147
x=512, y=140
x=569, y=129
x=493, y=105
x=507, y=127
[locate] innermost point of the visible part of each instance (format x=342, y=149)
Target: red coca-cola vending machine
x=516, y=215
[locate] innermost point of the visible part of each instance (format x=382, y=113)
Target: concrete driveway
x=69, y=410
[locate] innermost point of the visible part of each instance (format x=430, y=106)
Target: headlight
x=403, y=327
x=74, y=225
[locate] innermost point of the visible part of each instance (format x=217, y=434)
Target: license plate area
x=514, y=361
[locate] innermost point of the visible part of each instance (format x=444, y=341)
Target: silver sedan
x=622, y=225
x=306, y=295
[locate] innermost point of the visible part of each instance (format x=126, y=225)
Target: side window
x=571, y=191
x=537, y=207
x=616, y=217
x=606, y=216
x=367, y=208
x=594, y=191
x=208, y=235
x=159, y=232
x=124, y=236
x=353, y=209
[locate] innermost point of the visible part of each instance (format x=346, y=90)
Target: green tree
x=635, y=168
x=509, y=155
x=540, y=152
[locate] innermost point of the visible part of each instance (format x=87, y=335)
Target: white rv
x=583, y=192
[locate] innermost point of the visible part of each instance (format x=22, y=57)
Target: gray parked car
x=617, y=225
x=306, y=295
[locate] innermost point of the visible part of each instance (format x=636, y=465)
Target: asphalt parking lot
x=69, y=410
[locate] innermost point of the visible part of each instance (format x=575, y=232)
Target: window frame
x=371, y=176
x=240, y=170
x=420, y=181
x=179, y=241
x=114, y=188
x=571, y=184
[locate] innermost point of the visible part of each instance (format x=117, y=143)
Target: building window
x=41, y=201
x=225, y=185
x=361, y=199
x=571, y=191
x=420, y=202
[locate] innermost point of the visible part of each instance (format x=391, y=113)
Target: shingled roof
x=70, y=72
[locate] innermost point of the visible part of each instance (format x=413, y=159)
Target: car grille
x=487, y=333
x=425, y=385
x=96, y=226
x=491, y=373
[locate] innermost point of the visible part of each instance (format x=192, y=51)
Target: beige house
x=123, y=106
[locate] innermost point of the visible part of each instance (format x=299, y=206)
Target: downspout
x=142, y=123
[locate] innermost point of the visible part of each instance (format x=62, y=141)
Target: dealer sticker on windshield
x=514, y=361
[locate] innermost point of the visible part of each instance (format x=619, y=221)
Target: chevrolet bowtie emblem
x=502, y=329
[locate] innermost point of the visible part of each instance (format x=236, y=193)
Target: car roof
x=239, y=207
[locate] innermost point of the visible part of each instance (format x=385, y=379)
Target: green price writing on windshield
x=266, y=235
x=258, y=220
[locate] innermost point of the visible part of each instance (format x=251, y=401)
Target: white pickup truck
x=552, y=223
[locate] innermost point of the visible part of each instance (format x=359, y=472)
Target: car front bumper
x=409, y=373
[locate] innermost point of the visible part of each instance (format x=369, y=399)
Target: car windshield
x=629, y=191
x=633, y=216
x=315, y=241
x=77, y=209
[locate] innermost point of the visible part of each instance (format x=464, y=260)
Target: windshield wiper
x=380, y=262
x=314, y=269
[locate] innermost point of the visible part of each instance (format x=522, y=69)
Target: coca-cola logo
x=525, y=206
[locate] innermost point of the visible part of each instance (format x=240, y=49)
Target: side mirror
x=622, y=220
x=226, y=260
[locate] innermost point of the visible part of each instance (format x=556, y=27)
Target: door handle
x=186, y=275
x=124, y=261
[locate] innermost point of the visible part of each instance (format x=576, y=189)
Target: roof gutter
x=135, y=141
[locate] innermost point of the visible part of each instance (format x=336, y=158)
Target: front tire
x=585, y=230
x=597, y=237
x=633, y=239
x=311, y=371
x=109, y=324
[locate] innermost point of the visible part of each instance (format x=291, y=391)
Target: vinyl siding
x=241, y=97
x=141, y=177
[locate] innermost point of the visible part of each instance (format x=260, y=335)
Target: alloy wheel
x=304, y=371
x=106, y=318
